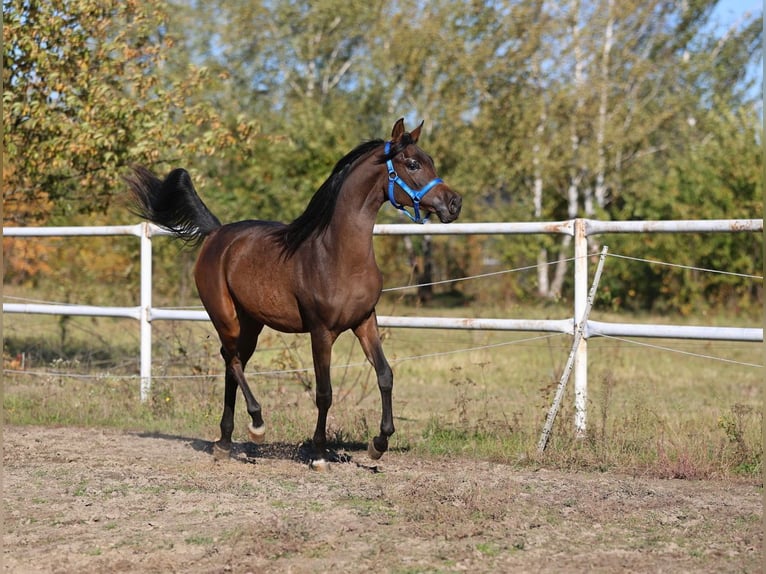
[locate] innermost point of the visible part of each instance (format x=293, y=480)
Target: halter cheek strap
x=413, y=194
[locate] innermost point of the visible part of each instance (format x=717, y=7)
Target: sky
x=733, y=9
x=729, y=12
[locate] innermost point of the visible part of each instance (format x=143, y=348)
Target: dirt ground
x=78, y=500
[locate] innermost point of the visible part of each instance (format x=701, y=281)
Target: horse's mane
x=318, y=213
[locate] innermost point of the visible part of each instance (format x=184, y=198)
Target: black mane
x=315, y=219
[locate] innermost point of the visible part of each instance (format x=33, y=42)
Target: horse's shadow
x=249, y=453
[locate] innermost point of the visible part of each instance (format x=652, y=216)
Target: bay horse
x=316, y=275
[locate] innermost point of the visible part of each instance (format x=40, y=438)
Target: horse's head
x=412, y=179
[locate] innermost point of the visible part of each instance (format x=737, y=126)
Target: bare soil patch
x=94, y=500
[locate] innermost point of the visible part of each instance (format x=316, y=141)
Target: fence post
x=578, y=337
x=580, y=301
x=146, y=310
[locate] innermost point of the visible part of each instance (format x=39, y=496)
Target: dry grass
x=651, y=411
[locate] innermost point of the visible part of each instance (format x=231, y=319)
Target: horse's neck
x=350, y=230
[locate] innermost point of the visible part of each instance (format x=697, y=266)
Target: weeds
x=738, y=425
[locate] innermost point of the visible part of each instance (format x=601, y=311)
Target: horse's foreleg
x=369, y=337
x=321, y=350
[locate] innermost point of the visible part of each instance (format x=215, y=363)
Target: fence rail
x=579, y=229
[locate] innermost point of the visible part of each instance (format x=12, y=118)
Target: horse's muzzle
x=448, y=206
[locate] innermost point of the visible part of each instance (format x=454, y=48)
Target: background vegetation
x=535, y=110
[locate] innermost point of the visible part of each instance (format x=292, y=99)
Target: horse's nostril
x=455, y=204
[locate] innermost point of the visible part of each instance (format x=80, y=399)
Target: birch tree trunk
x=601, y=190
x=543, y=285
x=575, y=171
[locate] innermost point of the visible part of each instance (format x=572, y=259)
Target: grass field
x=481, y=395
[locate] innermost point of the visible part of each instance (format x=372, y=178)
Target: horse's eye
x=412, y=164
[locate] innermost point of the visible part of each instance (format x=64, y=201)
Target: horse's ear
x=398, y=130
x=415, y=134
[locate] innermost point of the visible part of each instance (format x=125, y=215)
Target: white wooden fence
x=579, y=229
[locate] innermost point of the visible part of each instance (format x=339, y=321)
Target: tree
x=612, y=86
x=302, y=78
x=85, y=96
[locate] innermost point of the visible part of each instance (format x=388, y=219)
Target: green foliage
x=533, y=110
x=737, y=425
x=86, y=96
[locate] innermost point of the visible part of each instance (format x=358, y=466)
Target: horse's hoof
x=320, y=465
x=373, y=452
x=220, y=453
x=257, y=434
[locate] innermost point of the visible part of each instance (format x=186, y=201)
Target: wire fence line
x=478, y=276
x=386, y=290
x=681, y=352
x=690, y=267
x=416, y=357
x=276, y=373
x=281, y=372
x=471, y=277
x=567, y=260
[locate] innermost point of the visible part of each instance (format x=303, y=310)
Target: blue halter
x=415, y=195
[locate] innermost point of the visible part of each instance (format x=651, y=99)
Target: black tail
x=172, y=204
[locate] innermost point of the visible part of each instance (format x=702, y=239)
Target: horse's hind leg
x=236, y=353
x=222, y=447
x=369, y=337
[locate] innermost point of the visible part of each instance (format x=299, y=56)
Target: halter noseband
x=414, y=195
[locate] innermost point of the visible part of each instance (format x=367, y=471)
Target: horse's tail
x=172, y=204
